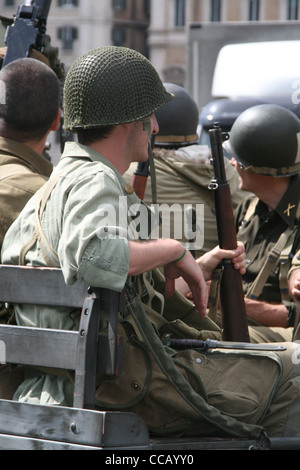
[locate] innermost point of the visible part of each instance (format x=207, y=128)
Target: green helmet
x=265, y=139
x=111, y=85
x=178, y=120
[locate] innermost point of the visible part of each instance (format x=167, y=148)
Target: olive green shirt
x=88, y=227
x=22, y=173
x=261, y=231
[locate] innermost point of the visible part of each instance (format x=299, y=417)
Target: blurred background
x=185, y=39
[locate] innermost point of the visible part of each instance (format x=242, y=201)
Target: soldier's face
x=142, y=135
x=244, y=176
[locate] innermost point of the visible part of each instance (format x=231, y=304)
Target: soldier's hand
x=210, y=260
x=189, y=271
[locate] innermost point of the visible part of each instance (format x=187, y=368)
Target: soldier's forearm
x=267, y=314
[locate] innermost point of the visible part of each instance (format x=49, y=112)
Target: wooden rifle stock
x=139, y=179
x=235, y=325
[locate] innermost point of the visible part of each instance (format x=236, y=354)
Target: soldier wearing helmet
x=86, y=227
x=264, y=144
x=183, y=169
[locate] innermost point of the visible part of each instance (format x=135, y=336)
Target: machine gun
x=27, y=31
x=235, y=325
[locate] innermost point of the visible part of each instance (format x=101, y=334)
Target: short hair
x=31, y=100
x=88, y=136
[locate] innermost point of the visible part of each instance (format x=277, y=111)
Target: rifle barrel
x=235, y=324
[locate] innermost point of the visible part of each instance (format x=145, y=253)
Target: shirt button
x=129, y=189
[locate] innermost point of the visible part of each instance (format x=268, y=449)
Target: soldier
x=29, y=111
x=81, y=225
x=264, y=144
x=183, y=170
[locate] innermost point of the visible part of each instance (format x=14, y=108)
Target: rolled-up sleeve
x=93, y=246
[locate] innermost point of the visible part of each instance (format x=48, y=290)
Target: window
x=292, y=13
x=119, y=5
x=253, y=10
x=118, y=36
x=179, y=13
x=147, y=7
x=9, y=3
x=71, y=3
x=215, y=10
x=67, y=35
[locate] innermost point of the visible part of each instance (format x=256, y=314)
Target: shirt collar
x=75, y=150
x=27, y=155
x=288, y=205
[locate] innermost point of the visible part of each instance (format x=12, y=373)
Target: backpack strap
x=257, y=286
x=282, y=252
x=42, y=197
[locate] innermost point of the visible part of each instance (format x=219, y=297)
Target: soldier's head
x=109, y=86
x=177, y=120
x=30, y=99
x=265, y=140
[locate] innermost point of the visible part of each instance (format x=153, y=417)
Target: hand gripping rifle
x=235, y=325
x=27, y=31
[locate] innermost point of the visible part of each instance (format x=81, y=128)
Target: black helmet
x=265, y=139
x=111, y=85
x=178, y=119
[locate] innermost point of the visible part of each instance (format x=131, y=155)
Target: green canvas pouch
x=164, y=386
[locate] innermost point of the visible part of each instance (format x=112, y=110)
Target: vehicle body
x=248, y=74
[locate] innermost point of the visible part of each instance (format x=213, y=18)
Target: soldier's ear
x=56, y=121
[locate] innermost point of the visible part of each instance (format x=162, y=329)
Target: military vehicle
x=25, y=426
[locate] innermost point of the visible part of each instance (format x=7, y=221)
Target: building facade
x=157, y=28
x=171, y=20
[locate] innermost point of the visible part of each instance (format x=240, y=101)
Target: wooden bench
x=86, y=352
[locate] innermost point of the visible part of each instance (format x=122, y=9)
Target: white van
x=259, y=70
x=248, y=74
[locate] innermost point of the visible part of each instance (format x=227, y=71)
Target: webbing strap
x=42, y=197
x=257, y=286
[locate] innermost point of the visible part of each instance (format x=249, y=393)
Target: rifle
x=139, y=179
x=27, y=31
x=235, y=325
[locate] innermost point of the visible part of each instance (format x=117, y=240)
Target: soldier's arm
x=267, y=314
x=177, y=262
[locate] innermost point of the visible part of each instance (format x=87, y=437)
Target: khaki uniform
x=182, y=178
x=91, y=243
x=22, y=173
x=259, y=229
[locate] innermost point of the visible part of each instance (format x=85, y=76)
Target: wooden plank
x=8, y=442
x=72, y=425
x=38, y=347
x=16, y=284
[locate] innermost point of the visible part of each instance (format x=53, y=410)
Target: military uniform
x=264, y=140
x=182, y=179
x=259, y=232
x=91, y=243
x=86, y=182
x=22, y=173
